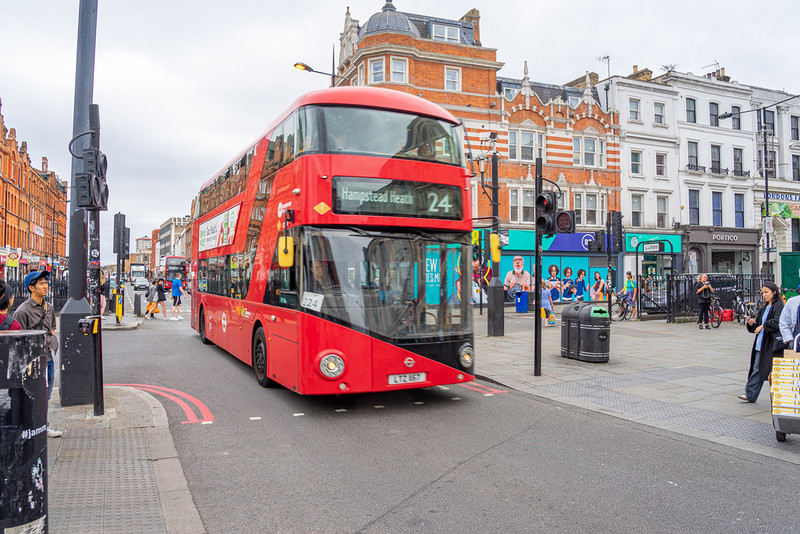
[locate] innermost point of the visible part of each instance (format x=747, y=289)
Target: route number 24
x=439, y=205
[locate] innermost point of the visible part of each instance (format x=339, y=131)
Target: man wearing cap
x=630, y=291
x=37, y=314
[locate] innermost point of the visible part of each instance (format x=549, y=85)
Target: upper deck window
x=377, y=132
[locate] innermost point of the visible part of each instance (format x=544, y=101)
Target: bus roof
x=370, y=97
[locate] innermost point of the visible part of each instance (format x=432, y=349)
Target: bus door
x=281, y=325
x=238, y=316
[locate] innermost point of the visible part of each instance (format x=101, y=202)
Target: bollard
x=120, y=305
x=23, y=431
x=137, y=305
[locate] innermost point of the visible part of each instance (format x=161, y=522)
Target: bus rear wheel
x=260, y=359
x=203, y=337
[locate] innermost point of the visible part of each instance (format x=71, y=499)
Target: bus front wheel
x=260, y=359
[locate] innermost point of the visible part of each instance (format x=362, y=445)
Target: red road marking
x=480, y=388
x=175, y=395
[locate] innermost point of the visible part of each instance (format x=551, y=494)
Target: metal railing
x=681, y=298
x=57, y=296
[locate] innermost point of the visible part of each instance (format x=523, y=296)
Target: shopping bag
x=542, y=313
x=552, y=318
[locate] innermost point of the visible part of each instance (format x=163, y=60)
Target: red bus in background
x=328, y=254
x=173, y=265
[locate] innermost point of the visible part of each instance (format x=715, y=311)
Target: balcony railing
x=716, y=169
x=696, y=168
x=740, y=172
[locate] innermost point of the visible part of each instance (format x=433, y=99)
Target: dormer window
x=445, y=33
x=574, y=101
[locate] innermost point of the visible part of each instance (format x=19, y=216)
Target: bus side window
x=307, y=130
x=288, y=146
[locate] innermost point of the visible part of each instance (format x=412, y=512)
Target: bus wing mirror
x=494, y=243
x=285, y=252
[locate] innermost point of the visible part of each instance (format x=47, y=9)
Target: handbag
x=552, y=318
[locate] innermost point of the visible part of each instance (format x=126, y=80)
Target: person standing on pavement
x=7, y=321
x=38, y=314
x=789, y=325
x=177, y=293
x=151, y=295
x=703, y=291
x=768, y=343
x=161, y=298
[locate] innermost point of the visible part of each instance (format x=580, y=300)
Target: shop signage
x=725, y=237
x=651, y=247
x=38, y=230
x=782, y=209
x=784, y=196
x=632, y=240
x=13, y=260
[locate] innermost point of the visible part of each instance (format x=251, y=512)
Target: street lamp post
x=303, y=66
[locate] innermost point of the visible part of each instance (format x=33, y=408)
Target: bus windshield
x=378, y=132
x=396, y=286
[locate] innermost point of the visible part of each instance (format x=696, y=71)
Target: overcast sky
x=183, y=85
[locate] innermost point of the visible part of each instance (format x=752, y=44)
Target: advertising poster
x=219, y=231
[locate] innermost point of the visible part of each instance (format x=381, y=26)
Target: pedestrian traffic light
x=92, y=191
x=546, y=204
x=599, y=242
x=565, y=222
x=477, y=253
x=617, y=235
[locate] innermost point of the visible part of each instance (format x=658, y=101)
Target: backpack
x=6, y=324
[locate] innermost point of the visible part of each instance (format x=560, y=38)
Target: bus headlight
x=465, y=355
x=331, y=365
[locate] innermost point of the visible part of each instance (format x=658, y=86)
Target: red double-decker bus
x=328, y=254
x=173, y=266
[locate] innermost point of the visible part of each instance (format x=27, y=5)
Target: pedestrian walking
x=103, y=293
x=703, y=291
x=38, y=314
x=151, y=295
x=547, y=302
x=768, y=343
x=789, y=324
x=161, y=298
x=177, y=293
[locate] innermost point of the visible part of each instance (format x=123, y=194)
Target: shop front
x=659, y=254
x=721, y=250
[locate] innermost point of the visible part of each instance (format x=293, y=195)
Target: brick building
x=33, y=210
x=444, y=61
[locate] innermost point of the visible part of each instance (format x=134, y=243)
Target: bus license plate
x=408, y=378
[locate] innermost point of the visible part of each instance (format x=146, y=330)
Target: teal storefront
x=659, y=254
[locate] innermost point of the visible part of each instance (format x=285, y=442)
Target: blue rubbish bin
x=522, y=302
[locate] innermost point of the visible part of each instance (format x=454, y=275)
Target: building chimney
x=474, y=16
x=44, y=165
x=722, y=71
x=635, y=69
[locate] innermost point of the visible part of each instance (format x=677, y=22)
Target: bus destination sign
x=399, y=198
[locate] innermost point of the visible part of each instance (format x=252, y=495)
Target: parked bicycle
x=715, y=312
x=621, y=310
x=742, y=309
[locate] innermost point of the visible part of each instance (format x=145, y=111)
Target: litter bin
x=570, y=335
x=585, y=333
x=522, y=302
x=23, y=431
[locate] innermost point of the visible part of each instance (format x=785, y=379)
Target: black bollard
x=23, y=431
x=137, y=305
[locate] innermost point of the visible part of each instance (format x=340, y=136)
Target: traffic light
x=546, y=205
x=617, y=236
x=565, y=222
x=599, y=243
x=92, y=191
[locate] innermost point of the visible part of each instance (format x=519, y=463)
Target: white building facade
x=649, y=154
x=716, y=174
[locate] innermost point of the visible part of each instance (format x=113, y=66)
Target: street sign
x=768, y=225
x=651, y=247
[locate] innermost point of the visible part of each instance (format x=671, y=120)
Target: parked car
x=140, y=283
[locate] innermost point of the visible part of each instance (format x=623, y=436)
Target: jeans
x=702, y=314
x=754, y=381
x=51, y=376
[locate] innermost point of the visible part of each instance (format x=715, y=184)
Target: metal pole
x=536, y=284
x=766, y=184
x=609, y=245
x=76, y=348
x=496, y=320
x=94, y=280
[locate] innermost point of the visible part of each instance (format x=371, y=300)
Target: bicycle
x=621, y=310
x=715, y=312
x=741, y=309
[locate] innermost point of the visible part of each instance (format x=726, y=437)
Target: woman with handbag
x=768, y=343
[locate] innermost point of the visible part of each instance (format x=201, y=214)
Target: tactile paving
x=105, y=484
